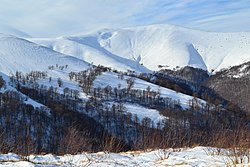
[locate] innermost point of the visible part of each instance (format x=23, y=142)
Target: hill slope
x=233, y=84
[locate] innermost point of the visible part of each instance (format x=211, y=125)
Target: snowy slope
x=112, y=80
x=22, y=55
x=156, y=45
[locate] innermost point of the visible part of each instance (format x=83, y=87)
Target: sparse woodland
x=69, y=124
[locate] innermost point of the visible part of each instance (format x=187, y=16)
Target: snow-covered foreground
x=198, y=156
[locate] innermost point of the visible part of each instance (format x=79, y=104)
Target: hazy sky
x=50, y=18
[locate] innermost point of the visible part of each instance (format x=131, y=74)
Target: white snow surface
x=186, y=157
x=155, y=45
x=17, y=54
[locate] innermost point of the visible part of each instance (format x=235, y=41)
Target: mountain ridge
x=154, y=45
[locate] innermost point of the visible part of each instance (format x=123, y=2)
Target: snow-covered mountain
x=17, y=54
x=124, y=49
x=154, y=45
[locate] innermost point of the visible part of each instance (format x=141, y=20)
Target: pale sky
x=52, y=18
